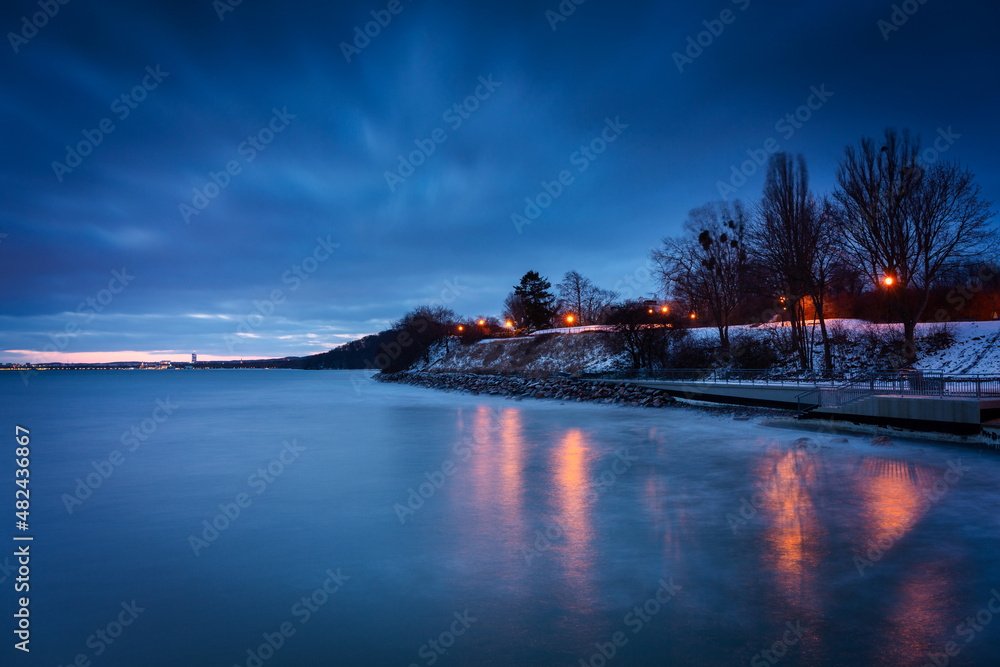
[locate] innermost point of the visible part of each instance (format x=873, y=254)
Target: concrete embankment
x=564, y=389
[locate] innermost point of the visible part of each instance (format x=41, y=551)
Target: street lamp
x=461, y=328
x=509, y=324
x=664, y=310
x=482, y=322
x=570, y=319
x=888, y=280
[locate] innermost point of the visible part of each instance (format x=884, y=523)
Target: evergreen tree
x=539, y=302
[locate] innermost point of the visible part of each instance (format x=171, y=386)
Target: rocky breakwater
x=555, y=387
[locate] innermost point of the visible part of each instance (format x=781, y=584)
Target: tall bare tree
x=583, y=298
x=598, y=304
x=793, y=240
x=906, y=221
x=573, y=291
x=707, y=265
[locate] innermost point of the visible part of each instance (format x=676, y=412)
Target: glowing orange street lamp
x=570, y=319
x=509, y=324
x=664, y=310
x=482, y=323
x=461, y=328
x=693, y=316
x=888, y=280
x=650, y=311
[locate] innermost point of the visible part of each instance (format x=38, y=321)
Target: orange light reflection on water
x=573, y=494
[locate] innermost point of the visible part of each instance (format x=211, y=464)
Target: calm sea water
x=453, y=529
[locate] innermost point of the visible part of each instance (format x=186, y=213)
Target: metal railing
x=833, y=388
x=730, y=376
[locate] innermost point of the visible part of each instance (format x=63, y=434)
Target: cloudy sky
x=268, y=180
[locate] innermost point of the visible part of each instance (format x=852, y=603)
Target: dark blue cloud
x=446, y=229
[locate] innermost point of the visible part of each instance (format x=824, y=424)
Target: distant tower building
x=194, y=358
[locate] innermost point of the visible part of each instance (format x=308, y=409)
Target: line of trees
x=532, y=305
x=896, y=238
x=892, y=223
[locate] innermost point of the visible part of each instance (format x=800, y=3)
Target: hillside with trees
x=902, y=238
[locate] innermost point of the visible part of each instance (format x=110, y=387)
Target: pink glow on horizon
x=36, y=357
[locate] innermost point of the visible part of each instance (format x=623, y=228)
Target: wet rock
x=559, y=388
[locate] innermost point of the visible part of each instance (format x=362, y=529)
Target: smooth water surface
x=458, y=529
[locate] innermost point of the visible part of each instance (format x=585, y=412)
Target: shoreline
x=626, y=394
x=518, y=388
x=575, y=390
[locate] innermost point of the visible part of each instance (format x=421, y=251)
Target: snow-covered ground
x=584, y=352
x=974, y=348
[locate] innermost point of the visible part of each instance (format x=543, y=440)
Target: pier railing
x=833, y=388
x=729, y=376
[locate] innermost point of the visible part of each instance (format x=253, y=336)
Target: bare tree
x=707, y=266
x=573, y=291
x=597, y=305
x=515, y=311
x=581, y=297
x=828, y=260
x=794, y=242
x=904, y=222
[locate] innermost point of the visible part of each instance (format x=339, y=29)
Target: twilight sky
x=121, y=224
